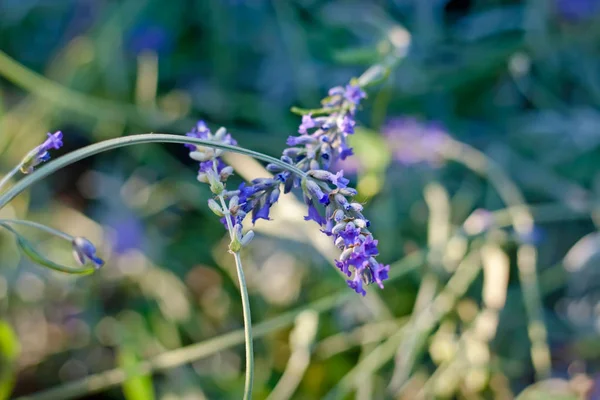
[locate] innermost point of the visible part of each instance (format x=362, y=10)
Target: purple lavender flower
x=322, y=142
x=307, y=123
x=84, y=250
x=354, y=93
x=313, y=214
x=350, y=234
x=42, y=152
x=54, y=141
x=347, y=124
x=577, y=10
x=413, y=142
x=338, y=179
x=200, y=131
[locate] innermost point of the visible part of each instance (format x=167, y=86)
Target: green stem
x=8, y=176
x=111, y=144
x=245, y=307
x=39, y=226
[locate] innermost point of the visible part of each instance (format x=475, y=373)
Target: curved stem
x=245, y=307
x=111, y=144
x=39, y=226
x=6, y=178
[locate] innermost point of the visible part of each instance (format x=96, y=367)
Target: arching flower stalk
x=322, y=141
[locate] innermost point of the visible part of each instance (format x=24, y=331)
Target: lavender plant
x=306, y=165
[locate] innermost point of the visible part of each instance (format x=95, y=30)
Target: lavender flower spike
x=42, y=152
x=322, y=141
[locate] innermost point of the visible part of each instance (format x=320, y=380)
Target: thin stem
x=245, y=306
x=6, y=178
x=111, y=144
x=39, y=226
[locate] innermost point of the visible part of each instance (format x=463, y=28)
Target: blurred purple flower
x=413, y=142
x=575, y=10
x=128, y=233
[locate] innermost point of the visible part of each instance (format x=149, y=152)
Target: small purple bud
x=84, y=250
x=300, y=140
x=307, y=123
x=346, y=125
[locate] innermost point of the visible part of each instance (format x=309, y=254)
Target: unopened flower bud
x=339, y=215
x=338, y=228
x=356, y=207
x=361, y=223
x=226, y=173
x=220, y=134
x=202, y=156
x=234, y=202
x=247, y=238
x=339, y=243
x=346, y=254
x=274, y=168
x=320, y=174
x=215, y=207
x=84, y=250
x=348, y=192
x=202, y=177
x=274, y=196
x=341, y=200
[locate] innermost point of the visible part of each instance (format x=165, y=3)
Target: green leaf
x=34, y=255
x=138, y=386
x=9, y=350
x=359, y=55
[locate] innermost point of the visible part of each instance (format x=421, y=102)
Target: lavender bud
x=356, y=207
x=216, y=186
x=233, y=203
x=350, y=192
x=320, y=174
x=84, y=250
x=339, y=242
x=361, y=223
x=287, y=160
x=215, y=207
x=247, y=238
x=220, y=134
x=315, y=191
x=292, y=152
x=339, y=215
x=314, y=164
x=226, y=173
x=274, y=196
x=202, y=177
x=338, y=228
x=202, y=156
x=346, y=254
x=274, y=168
x=341, y=200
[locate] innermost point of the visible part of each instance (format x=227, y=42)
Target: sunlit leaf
x=139, y=386
x=9, y=349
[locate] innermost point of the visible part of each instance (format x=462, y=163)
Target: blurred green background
x=481, y=304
